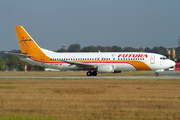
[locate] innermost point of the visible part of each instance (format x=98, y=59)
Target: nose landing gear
x=156, y=74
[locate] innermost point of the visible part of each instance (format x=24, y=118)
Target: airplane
x=92, y=62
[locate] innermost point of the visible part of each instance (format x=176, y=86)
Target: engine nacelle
x=105, y=69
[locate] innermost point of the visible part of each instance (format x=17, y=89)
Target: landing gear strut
x=89, y=73
x=156, y=74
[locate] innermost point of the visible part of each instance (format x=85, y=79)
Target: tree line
x=9, y=62
x=77, y=48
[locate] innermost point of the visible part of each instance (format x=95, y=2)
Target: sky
x=124, y=23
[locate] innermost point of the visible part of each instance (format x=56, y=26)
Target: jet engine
x=105, y=69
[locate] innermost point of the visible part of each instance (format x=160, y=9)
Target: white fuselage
x=120, y=60
x=93, y=62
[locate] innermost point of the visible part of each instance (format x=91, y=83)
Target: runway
x=163, y=75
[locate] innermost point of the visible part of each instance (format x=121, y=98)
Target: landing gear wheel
x=89, y=73
x=94, y=73
x=156, y=74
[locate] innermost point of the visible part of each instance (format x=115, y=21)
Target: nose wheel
x=156, y=74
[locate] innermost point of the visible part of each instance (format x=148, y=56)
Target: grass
x=83, y=99
x=7, y=87
x=25, y=118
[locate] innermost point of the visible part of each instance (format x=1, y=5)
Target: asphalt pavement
x=163, y=75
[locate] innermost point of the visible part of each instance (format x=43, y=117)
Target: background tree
x=159, y=50
x=3, y=55
x=13, y=63
x=147, y=49
x=62, y=50
x=108, y=48
x=3, y=66
x=130, y=49
x=89, y=49
x=101, y=48
x=74, y=48
x=178, y=52
x=21, y=65
x=116, y=49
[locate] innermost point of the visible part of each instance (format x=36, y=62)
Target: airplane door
x=152, y=59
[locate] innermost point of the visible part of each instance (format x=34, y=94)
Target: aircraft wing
x=81, y=65
x=17, y=54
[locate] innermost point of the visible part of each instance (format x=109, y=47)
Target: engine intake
x=105, y=69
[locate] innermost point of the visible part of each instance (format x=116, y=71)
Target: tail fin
x=28, y=46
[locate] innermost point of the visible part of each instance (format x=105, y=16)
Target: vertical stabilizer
x=27, y=45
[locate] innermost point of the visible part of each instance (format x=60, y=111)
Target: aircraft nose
x=172, y=63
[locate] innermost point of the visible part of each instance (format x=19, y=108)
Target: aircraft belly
x=28, y=60
x=68, y=67
x=124, y=66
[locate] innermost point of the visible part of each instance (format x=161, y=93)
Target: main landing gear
x=156, y=74
x=89, y=73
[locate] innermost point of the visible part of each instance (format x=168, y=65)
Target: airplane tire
x=94, y=73
x=156, y=74
x=89, y=73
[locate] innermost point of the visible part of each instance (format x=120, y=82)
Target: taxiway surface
x=163, y=75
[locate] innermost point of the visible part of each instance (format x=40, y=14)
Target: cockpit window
x=163, y=58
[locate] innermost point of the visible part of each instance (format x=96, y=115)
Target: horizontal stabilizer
x=17, y=54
